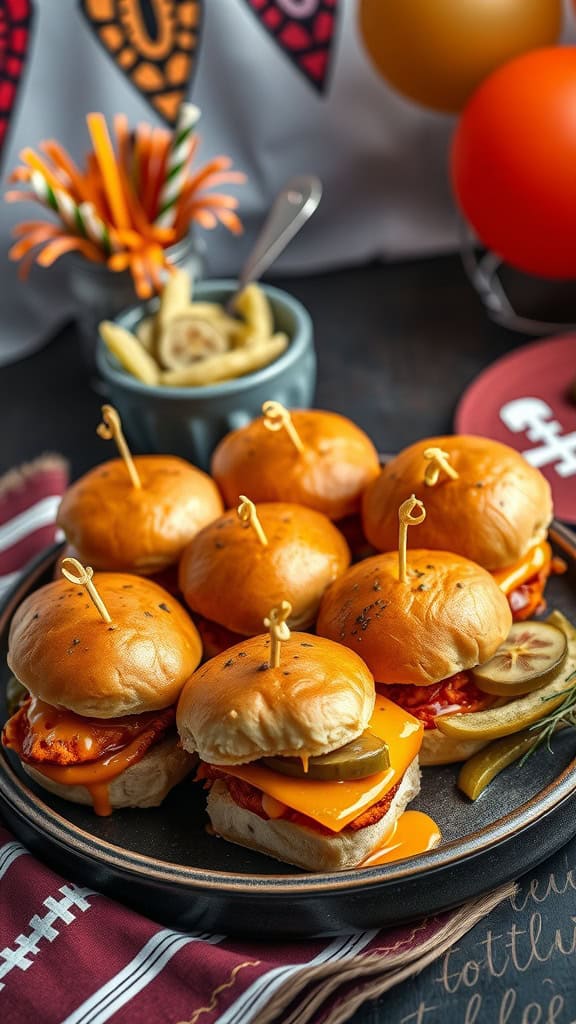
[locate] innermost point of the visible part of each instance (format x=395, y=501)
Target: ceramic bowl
x=189, y=421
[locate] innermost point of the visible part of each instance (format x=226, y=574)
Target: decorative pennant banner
x=153, y=42
x=305, y=30
x=15, y=26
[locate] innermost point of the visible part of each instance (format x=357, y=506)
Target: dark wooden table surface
x=397, y=346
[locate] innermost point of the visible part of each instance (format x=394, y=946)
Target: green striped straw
x=81, y=217
x=96, y=229
x=177, y=164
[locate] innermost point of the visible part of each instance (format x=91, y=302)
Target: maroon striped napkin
x=69, y=955
x=29, y=498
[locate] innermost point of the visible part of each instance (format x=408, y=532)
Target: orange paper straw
x=64, y=162
x=122, y=132
x=35, y=237
x=109, y=169
x=28, y=156
x=66, y=243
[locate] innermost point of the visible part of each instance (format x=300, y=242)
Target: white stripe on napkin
x=43, y=513
x=8, y=854
x=254, y=998
x=7, y=581
x=140, y=972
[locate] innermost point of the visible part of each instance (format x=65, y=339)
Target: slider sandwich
x=98, y=722
x=303, y=760
x=484, y=502
x=308, y=456
x=421, y=620
x=247, y=560
x=136, y=514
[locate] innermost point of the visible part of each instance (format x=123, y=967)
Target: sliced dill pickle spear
x=516, y=714
x=532, y=654
x=479, y=770
x=364, y=756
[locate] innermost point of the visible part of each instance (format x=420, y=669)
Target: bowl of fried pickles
x=189, y=366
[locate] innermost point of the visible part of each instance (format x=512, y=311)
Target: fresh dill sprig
x=563, y=715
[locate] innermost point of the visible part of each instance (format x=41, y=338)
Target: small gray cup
x=190, y=421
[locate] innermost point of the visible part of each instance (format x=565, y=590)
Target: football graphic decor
x=154, y=43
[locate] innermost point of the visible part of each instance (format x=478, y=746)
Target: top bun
x=337, y=465
x=63, y=652
x=449, y=616
x=236, y=709
x=499, y=507
x=228, y=576
x=118, y=527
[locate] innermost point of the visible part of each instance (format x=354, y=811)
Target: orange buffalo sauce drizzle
x=47, y=722
x=413, y=833
x=514, y=575
x=96, y=775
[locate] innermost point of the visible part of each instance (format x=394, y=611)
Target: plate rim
x=30, y=807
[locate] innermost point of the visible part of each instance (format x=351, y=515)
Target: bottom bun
x=144, y=784
x=439, y=749
x=296, y=844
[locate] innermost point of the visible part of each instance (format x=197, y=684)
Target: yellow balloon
x=437, y=51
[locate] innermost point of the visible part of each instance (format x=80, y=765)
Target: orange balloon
x=437, y=51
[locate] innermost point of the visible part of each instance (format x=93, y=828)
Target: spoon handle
x=290, y=211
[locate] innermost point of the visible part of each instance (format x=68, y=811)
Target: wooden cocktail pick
x=277, y=417
x=438, y=462
x=248, y=516
x=111, y=428
x=279, y=630
x=407, y=519
x=82, y=577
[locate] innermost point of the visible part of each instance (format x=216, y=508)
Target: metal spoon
x=293, y=205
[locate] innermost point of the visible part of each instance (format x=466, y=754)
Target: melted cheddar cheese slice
x=532, y=563
x=335, y=804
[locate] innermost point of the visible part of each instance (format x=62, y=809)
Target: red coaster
x=524, y=401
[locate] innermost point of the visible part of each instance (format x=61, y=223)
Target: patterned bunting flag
x=154, y=43
x=306, y=32
x=15, y=26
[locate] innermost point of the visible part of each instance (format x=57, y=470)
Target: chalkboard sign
x=517, y=966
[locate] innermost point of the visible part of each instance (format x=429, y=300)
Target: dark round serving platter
x=163, y=862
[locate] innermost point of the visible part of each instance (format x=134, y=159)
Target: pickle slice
x=532, y=654
x=364, y=756
x=479, y=770
x=516, y=714
x=188, y=339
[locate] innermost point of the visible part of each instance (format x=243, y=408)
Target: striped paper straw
x=96, y=229
x=176, y=166
x=55, y=199
x=82, y=218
